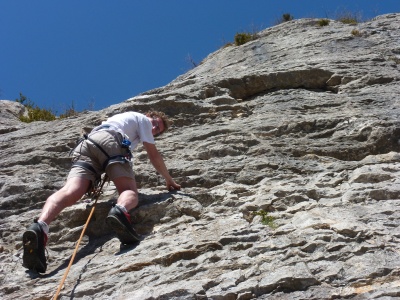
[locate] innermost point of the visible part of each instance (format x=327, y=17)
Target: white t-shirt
x=135, y=125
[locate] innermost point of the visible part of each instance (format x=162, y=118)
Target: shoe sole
x=31, y=259
x=121, y=231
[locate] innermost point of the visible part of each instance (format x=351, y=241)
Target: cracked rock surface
x=288, y=152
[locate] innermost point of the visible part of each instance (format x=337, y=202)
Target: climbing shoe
x=34, y=242
x=120, y=223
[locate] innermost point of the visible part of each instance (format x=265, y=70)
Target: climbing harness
x=125, y=144
x=95, y=197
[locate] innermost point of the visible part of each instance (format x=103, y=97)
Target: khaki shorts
x=110, y=142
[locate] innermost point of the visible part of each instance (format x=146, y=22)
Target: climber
x=107, y=149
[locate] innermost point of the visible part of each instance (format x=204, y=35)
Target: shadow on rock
x=89, y=248
x=124, y=248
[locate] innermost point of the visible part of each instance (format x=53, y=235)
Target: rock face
x=288, y=152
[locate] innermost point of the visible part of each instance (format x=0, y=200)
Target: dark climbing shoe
x=34, y=242
x=121, y=224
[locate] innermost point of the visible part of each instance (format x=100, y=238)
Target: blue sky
x=95, y=53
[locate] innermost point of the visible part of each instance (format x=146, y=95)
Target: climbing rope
x=96, y=195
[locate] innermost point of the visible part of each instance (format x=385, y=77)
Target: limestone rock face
x=10, y=111
x=288, y=152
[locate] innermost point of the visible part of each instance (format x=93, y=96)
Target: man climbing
x=106, y=149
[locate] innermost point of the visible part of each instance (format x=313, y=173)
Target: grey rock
x=10, y=111
x=288, y=152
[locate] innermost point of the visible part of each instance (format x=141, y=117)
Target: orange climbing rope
x=96, y=196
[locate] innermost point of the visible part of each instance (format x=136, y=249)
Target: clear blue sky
x=95, y=53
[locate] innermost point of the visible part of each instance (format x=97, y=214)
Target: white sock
x=44, y=227
x=122, y=208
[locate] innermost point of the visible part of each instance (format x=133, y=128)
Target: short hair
x=158, y=114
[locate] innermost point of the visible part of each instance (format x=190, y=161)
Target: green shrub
x=38, y=114
x=69, y=112
x=348, y=18
x=265, y=219
x=355, y=32
x=227, y=45
x=24, y=101
x=34, y=112
x=323, y=22
x=350, y=21
x=284, y=18
x=243, y=38
x=287, y=17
